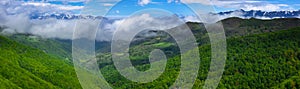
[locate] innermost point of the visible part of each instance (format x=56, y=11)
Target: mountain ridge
x=266, y=14
x=240, y=13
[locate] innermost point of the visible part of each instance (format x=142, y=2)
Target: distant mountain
x=67, y=16
x=61, y=16
x=259, y=13
x=236, y=13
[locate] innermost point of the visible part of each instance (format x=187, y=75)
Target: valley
x=260, y=54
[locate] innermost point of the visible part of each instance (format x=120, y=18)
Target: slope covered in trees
x=26, y=67
x=262, y=61
x=53, y=47
x=256, y=61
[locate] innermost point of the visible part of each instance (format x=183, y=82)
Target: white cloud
x=144, y=2
x=63, y=29
x=37, y=4
x=147, y=21
x=176, y=1
x=70, y=7
x=69, y=0
x=61, y=7
x=264, y=18
x=20, y=7
x=48, y=28
x=117, y=11
x=197, y=1
x=191, y=19
x=268, y=7
x=212, y=18
x=108, y=4
x=242, y=4
x=142, y=22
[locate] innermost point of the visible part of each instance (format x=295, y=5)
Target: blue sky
x=127, y=7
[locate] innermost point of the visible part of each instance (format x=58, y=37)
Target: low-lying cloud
x=212, y=18
x=63, y=29
x=47, y=28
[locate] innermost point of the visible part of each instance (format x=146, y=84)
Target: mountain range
x=237, y=13
x=259, y=13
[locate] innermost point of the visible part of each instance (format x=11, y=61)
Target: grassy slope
x=25, y=67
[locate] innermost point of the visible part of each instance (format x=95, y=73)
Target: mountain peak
x=265, y=14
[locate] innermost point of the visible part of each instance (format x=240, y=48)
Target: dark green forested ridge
x=234, y=27
x=254, y=61
x=25, y=67
x=263, y=61
x=268, y=60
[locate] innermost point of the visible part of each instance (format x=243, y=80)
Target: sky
x=127, y=7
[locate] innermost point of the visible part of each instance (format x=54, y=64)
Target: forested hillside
x=53, y=47
x=268, y=60
x=263, y=61
x=26, y=67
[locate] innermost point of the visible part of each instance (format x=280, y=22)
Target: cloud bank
x=47, y=28
x=242, y=4
x=212, y=18
x=63, y=29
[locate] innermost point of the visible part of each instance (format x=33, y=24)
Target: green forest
x=268, y=60
x=26, y=67
x=259, y=55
